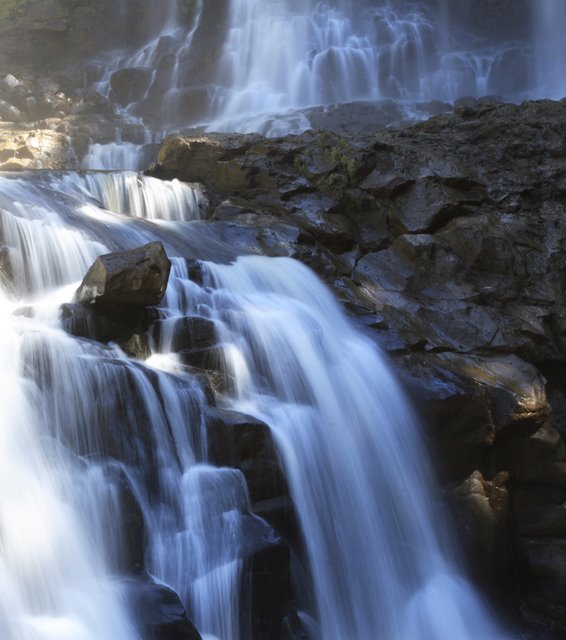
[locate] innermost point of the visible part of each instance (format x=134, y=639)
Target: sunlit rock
x=137, y=277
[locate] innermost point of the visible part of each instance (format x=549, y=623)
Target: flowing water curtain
x=115, y=433
x=381, y=561
x=56, y=553
x=247, y=65
x=549, y=21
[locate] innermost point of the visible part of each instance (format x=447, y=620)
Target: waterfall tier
x=234, y=65
x=92, y=437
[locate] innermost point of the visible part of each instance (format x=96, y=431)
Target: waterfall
x=87, y=431
x=251, y=65
x=353, y=455
x=549, y=20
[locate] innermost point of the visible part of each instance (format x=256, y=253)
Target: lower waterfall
x=86, y=432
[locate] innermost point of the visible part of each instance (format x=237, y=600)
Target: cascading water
x=74, y=401
x=247, y=65
x=549, y=18
x=96, y=427
x=85, y=430
x=381, y=567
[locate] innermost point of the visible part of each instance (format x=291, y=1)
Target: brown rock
x=137, y=277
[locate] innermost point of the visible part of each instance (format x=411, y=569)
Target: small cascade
x=57, y=515
x=136, y=195
x=126, y=156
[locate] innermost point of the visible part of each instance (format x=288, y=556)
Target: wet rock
x=130, y=84
x=475, y=404
x=241, y=441
x=280, y=513
x=9, y=113
x=484, y=524
x=31, y=148
x=270, y=590
x=10, y=85
x=6, y=274
x=158, y=612
x=546, y=566
x=92, y=103
x=186, y=333
x=125, y=325
x=137, y=277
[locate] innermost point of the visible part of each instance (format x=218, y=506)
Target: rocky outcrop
x=115, y=300
x=444, y=241
x=137, y=277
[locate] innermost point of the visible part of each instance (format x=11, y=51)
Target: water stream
x=87, y=431
x=251, y=65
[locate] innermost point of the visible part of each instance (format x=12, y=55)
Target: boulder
x=158, y=612
x=185, y=333
x=31, y=148
x=241, y=441
x=270, y=590
x=137, y=277
x=126, y=325
x=9, y=113
x=475, y=405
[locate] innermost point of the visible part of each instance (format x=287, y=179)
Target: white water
x=278, y=57
x=54, y=579
x=136, y=195
x=380, y=556
x=112, y=156
x=80, y=422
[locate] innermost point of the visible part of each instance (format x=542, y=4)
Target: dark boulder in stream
x=137, y=277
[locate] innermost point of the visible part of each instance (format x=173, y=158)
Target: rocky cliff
x=445, y=241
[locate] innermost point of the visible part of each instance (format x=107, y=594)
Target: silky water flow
x=85, y=429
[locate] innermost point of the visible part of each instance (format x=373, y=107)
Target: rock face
x=137, y=277
x=445, y=241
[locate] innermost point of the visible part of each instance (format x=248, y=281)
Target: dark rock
x=468, y=102
x=158, y=612
x=136, y=346
x=484, y=524
x=194, y=269
x=127, y=325
x=476, y=404
x=92, y=103
x=6, y=274
x=241, y=441
x=546, y=562
x=270, y=590
x=208, y=358
x=280, y=513
x=137, y=277
x=185, y=334
x=130, y=84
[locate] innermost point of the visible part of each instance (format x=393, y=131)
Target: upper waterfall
x=234, y=64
